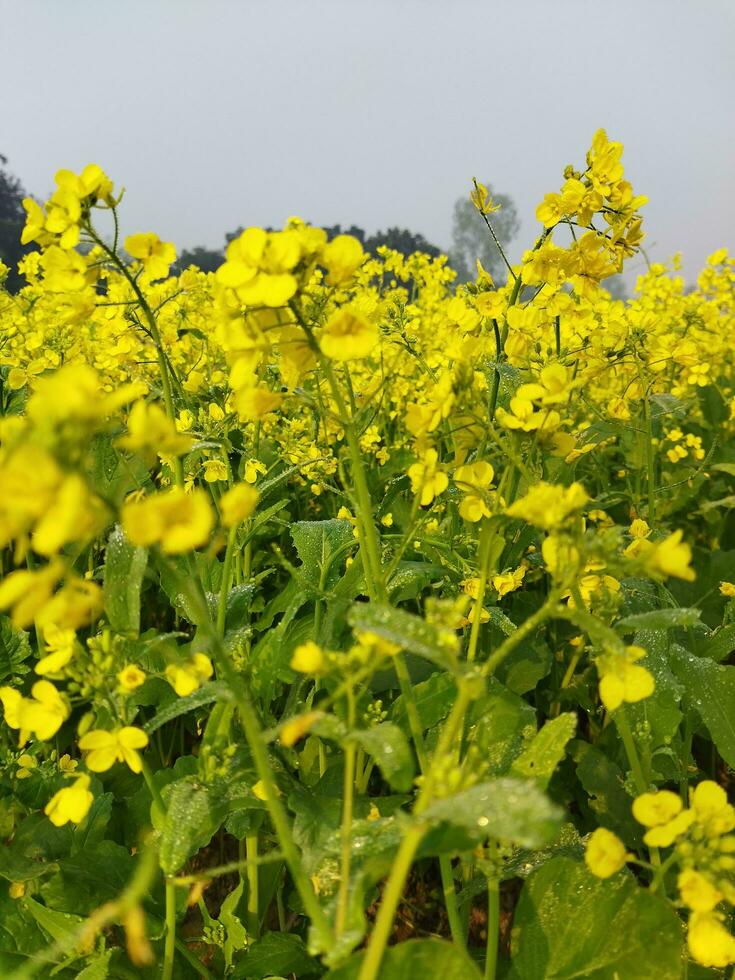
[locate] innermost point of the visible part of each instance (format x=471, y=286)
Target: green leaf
x=14, y=651
x=569, y=924
x=414, y=959
x=411, y=578
x=206, y=694
x=57, y=924
x=710, y=690
x=604, y=783
x=98, y=968
x=660, y=619
x=277, y=953
x=501, y=723
x=87, y=879
x=124, y=570
x=410, y=632
x=434, y=699
x=506, y=809
x=390, y=749
x=236, y=935
x=720, y=644
x=528, y=664
x=320, y=545
x=539, y=760
x=192, y=818
x=20, y=934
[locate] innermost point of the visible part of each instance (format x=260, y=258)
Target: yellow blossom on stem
x=605, y=853
x=176, y=520
x=70, y=804
x=104, y=748
x=188, y=677
x=427, y=479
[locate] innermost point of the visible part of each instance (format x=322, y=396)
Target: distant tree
x=401, y=239
x=12, y=220
x=206, y=259
x=471, y=239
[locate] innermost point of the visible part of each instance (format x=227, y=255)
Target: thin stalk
x=348, y=792
x=450, y=901
x=226, y=582
x=409, y=845
x=650, y=463
x=493, y=928
x=484, y=553
x=251, y=854
x=169, y=948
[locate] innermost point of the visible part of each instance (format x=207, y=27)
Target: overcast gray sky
x=216, y=113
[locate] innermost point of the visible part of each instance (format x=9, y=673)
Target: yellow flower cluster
x=704, y=849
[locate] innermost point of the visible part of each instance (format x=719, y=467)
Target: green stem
x=650, y=463
x=493, y=928
x=251, y=853
x=348, y=792
x=170, y=941
x=621, y=721
x=226, y=582
x=193, y=960
x=450, y=901
x=254, y=736
x=409, y=845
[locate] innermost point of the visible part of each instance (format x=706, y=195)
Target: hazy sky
x=216, y=113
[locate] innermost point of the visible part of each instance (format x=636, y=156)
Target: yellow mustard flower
x=188, y=677
x=709, y=942
x=237, y=504
x=156, y=256
x=348, y=336
x=549, y=506
x=427, y=478
x=70, y=804
x=59, y=650
x=697, y=891
x=176, y=520
x=130, y=678
x=622, y=679
x=104, y=748
x=308, y=658
x=473, y=479
x=605, y=853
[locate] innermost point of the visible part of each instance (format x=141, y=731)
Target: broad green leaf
x=411, y=578
x=97, y=968
x=390, y=749
x=192, y=818
x=710, y=690
x=528, y=664
x=661, y=712
x=569, y=924
x=236, y=935
x=434, y=699
x=660, y=619
x=276, y=954
x=720, y=644
x=500, y=726
x=124, y=570
x=539, y=760
x=20, y=934
x=321, y=547
x=410, y=632
x=604, y=783
x=506, y=809
x=57, y=924
x=207, y=694
x=14, y=651
x=416, y=958
x=86, y=879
